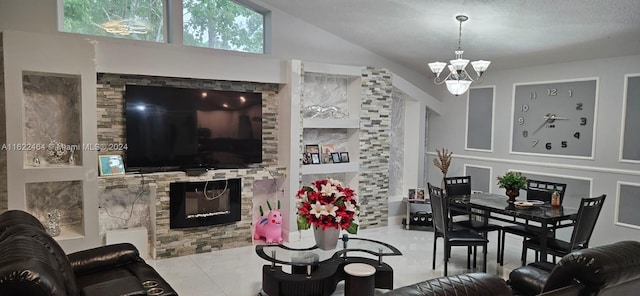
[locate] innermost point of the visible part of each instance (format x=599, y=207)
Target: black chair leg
x=475, y=252
x=469, y=257
x=499, y=248
x=484, y=258
x=446, y=258
x=502, y=248
x=435, y=239
x=524, y=255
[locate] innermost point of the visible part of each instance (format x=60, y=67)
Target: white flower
x=317, y=209
x=328, y=190
x=334, y=182
x=338, y=219
x=331, y=209
x=350, y=207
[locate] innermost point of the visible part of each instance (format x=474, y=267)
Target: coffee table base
x=323, y=279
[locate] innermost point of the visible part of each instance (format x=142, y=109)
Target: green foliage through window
x=132, y=19
x=222, y=24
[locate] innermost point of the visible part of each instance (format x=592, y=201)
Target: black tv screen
x=171, y=128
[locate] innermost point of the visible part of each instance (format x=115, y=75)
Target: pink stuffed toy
x=269, y=227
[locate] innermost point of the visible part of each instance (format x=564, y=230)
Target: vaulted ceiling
x=510, y=33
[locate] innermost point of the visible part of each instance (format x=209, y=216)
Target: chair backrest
x=542, y=190
x=457, y=185
x=439, y=210
x=586, y=220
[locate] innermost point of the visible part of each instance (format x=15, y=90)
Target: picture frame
x=325, y=152
x=420, y=194
x=344, y=156
x=312, y=148
x=110, y=165
x=315, y=158
x=412, y=194
x=306, y=158
x=335, y=157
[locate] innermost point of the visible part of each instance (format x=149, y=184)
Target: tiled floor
x=237, y=272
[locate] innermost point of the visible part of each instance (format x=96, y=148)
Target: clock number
x=533, y=95
x=579, y=106
x=535, y=142
x=520, y=120
x=576, y=135
x=548, y=146
x=552, y=91
x=570, y=93
x=524, y=108
x=583, y=121
x=563, y=144
x=525, y=134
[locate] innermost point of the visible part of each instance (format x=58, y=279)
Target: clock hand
x=553, y=117
x=547, y=119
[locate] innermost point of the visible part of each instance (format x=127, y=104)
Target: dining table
x=495, y=206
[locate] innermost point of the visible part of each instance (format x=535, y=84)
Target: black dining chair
x=585, y=222
x=457, y=186
x=451, y=237
x=536, y=190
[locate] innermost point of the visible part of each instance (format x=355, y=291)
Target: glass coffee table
x=317, y=272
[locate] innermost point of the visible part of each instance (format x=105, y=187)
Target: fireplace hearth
x=207, y=203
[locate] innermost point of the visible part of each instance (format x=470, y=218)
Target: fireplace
x=194, y=204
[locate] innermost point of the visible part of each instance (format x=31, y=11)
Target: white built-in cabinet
x=324, y=85
x=50, y=107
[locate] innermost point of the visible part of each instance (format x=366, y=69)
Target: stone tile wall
x=375, y=128
x=170, y=242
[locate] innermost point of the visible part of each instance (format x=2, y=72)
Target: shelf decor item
x=512, y=182
x=111, y=165
x=329, y=207
x=53, y=223
x=443, y=162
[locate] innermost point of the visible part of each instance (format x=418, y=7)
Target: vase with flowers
x=329, y=207
x=512, y=182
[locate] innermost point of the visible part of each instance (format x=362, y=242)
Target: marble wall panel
x=325, y=90
x=4, y=200
x=64, y=196
x=396, y=144
x=52, y=115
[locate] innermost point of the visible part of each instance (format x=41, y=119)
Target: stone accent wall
x=4, y=201
x=375, y=127
x=171, y=242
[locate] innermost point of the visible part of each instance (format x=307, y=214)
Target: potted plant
x=329, y=207
x=512, y=182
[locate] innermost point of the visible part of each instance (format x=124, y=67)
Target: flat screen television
x=172, y=128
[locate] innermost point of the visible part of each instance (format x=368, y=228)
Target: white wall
x=448, y=130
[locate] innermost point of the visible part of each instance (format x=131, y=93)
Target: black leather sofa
x=32, y=263
x=606, y=271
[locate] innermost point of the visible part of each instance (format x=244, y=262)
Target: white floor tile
x=238, y=271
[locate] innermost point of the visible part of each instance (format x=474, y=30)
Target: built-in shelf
x=311, y=169
x=331, y=123
x=69, y=233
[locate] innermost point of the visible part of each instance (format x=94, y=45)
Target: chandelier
x=458, y=80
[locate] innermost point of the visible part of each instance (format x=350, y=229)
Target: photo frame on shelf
x=110, y=165
x=344, y=156
x=412, y=194
x=306, y=158
x=313, y=148
x=315, y=158
x=420, y=194
x=335, y=157
x=325, y=152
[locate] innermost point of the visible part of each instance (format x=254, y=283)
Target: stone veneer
x=177, y=242
x=4, y=201
x=375, y=127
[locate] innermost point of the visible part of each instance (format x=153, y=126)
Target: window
x=131, y=19
x=223, y=24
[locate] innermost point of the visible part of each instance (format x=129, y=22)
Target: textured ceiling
x=510, y=33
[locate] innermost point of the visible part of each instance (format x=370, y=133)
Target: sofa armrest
x=102, y=258
x=528, y=280
x=471, y=284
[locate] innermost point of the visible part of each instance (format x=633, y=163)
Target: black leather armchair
x=471, y=284
x=606, y=270
x=32, y=263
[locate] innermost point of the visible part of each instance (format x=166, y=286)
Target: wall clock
x=555, y=118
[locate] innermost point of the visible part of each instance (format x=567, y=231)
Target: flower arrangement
x=513, y=181
x=327, y=203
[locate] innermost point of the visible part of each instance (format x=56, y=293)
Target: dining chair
x=536, y=190
x=452, y=237
x=585, y=222
x=457, y=186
